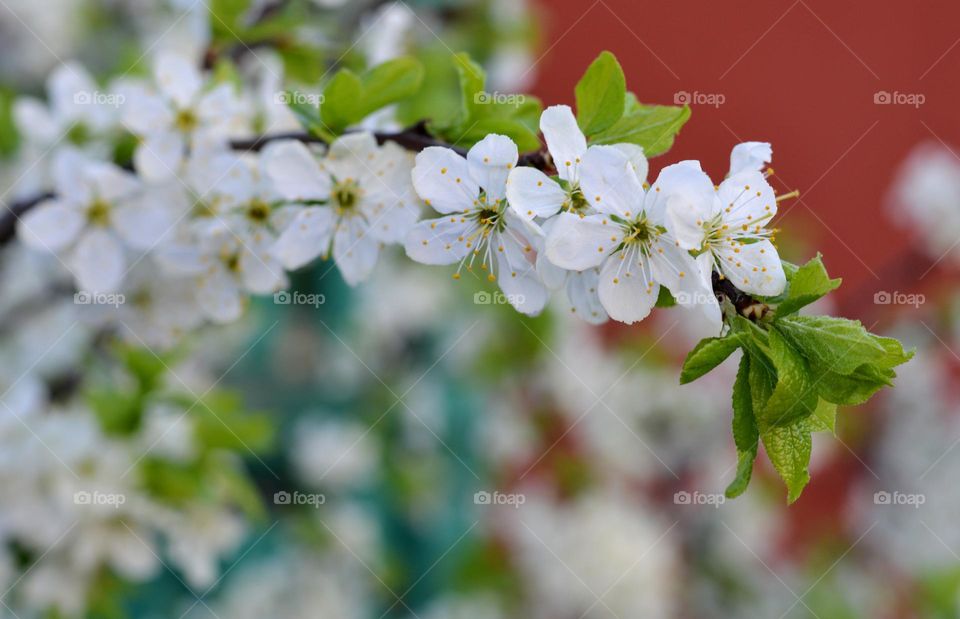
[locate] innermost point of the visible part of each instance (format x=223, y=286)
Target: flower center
x=576, y=202
x=185, y=121
x=98, y=213
x=258, y=211
x=346, y=195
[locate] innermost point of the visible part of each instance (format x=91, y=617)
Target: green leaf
x=340, y=99
x=824, y=418
x=838, y=344
x=664, y=298
x=708, y=354
x=854, y=388
x=809, y=283
x=390, y=82
x=600, y=95
x=788, y=448
x=654, y=127
x=745, y=434
x=794, y=397
x=472, y=81
x=349, y=98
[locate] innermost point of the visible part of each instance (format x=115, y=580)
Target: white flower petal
x=110, y=182
x=219, y=108
x=438, y=241
x=219, y=296
x=609, y=183
x=307, y=236
x=531, y=193
x=747, y=199
x=51, y=225
x=687, y=195
x=637, y=158
x=442, y=180
x=750, y=156
x=583, y=296
x=754, y=268
x=177, y=78
x=517, y=276
x=97, y=262
x=490, y=161
x=158, y=158
x=261, y=273
x=70, y=90
x=579, y=243
x=564, y=139
x=675, y=268
x=353, y=156
x=145, y=112
x=34, y=121
x=625, y=289
x=355, y=250
x=142, y=224
x=68, y=169
x=295, y=172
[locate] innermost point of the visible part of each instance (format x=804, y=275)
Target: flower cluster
x=224, y=223
x=597, y=229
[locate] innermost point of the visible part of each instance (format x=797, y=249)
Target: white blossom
x=477, y=226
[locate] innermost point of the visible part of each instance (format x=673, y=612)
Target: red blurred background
x=801, y=74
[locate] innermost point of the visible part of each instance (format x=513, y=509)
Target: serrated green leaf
x=600, y=95
x=309, y=116
x=654, y=127
x=794, y=396
x=788, y=448
x=809, y=283
x=708, y=354
x=824, y=418
x=745, y=433
x=854, y=388
x=838, y=344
